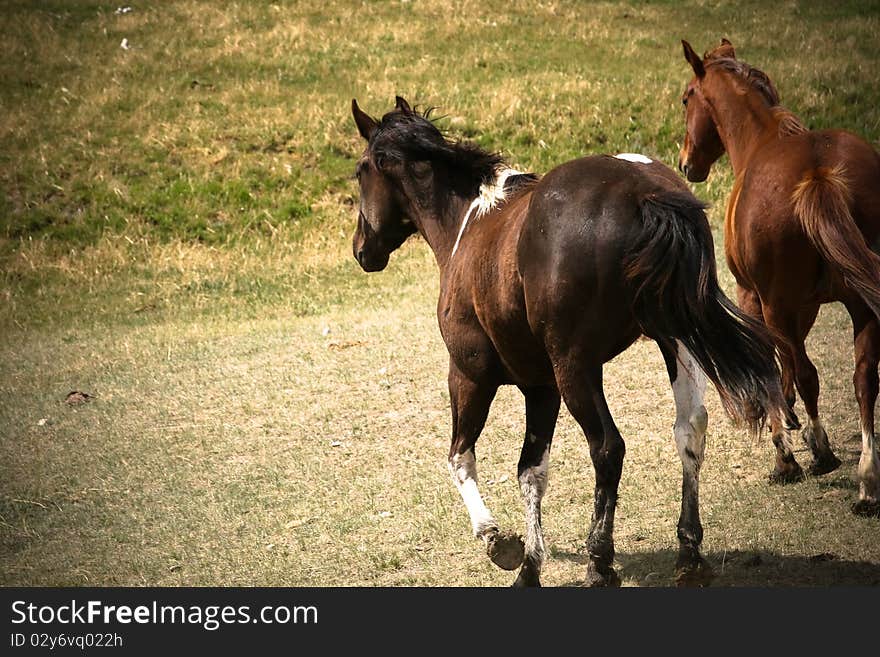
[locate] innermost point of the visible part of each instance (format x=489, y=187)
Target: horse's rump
x=822, y=204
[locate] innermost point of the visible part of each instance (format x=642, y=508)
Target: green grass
x=175, y=224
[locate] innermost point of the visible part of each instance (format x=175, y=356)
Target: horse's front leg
x=470, y=402
x=542, y=409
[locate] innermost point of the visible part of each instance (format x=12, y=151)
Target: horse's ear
x=694, y=59
x=366, y=125
x=726, y=49
x=402, y=105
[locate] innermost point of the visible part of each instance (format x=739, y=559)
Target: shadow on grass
x=738, y=568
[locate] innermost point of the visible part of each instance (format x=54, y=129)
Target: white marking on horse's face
x=634, y=157
x=463, y=468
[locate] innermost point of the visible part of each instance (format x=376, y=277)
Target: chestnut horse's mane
x=789, y=124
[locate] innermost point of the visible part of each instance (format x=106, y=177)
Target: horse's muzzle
x=370, y=262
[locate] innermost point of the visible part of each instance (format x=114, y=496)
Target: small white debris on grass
x=298, y=522
x=336, y=443
x=325, y=331
x=122, y=10
x=383, y=371
x=385, y=514
x=124, y=45
x=42, y=422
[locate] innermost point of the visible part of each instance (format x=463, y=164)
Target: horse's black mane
x=412, y=136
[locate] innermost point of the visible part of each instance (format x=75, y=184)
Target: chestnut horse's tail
x=821, y=203
x=671, y=272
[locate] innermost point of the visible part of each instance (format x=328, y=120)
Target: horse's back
x=591, y=205
x=583, y=220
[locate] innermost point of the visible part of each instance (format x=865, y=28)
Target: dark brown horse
x=801, y=224
x=541, y=283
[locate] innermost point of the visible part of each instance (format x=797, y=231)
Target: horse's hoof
x=693, y=573
x=867, y=508
x=791, y=475
x=605, y=577
x=524, y=581
x=506, y=550
x=829, y=463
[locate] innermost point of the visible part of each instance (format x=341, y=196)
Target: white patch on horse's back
x=491, y=194
x=634, y=157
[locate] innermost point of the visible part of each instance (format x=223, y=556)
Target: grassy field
x=175, y=222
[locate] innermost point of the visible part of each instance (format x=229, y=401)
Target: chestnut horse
x=801, y=223
x=544, y=281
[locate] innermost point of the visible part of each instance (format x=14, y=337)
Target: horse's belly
x=510, y=356
x=528, y=368
x=524, y=360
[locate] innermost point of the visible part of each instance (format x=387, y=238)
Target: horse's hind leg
x=807, y=380
x=691, y=420
x=542, y=409
x=794, y=327
x=750, y=303
x=866, y=338
x=787, y=469
x=581, y=389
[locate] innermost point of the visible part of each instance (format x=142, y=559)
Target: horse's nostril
x=360, y=257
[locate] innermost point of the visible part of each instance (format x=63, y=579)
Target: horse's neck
x=744, y=123
x=440, y=228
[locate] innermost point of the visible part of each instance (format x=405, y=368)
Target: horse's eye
x=421, y=169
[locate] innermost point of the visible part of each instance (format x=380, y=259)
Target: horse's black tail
x=671, y=272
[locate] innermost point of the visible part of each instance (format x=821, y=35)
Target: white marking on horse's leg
x=691, y=422
x=812, y=432
x=691, y=419
x=463, y=468
x=869, y=468
x=533, y=484
x=816, y=437
x=634, y=157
